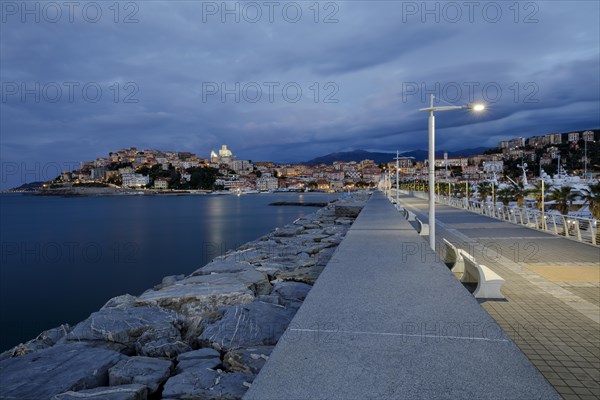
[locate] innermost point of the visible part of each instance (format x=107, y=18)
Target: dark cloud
x=377, y=63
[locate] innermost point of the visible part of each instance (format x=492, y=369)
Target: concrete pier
x=387, y=320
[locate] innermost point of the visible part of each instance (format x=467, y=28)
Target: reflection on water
x=62, y=258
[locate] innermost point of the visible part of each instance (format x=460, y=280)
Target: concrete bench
x=410, y=216
x=453, y=258
x=422, y=229
x=488, y=282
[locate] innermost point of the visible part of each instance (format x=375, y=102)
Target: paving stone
x=562, y=342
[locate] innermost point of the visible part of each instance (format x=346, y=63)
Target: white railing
x=576, y=228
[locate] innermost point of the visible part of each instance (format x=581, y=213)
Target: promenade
x=552, y=290
x=387, y=320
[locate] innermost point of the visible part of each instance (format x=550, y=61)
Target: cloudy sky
x=286, y=81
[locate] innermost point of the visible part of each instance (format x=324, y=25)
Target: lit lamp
x=431, y=109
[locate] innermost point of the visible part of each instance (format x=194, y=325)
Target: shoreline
x=93, y=192
x=205, y=334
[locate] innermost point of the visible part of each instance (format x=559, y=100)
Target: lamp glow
x=478, y=107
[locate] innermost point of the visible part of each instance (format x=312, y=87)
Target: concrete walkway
x=553, y=293
x=386, y=320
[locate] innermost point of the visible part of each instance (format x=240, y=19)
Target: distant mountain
x=31, y=186
x=418, y=155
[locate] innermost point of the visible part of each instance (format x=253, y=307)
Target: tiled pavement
x=590, y=293
x=552, y=293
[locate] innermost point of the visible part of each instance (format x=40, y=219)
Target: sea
x=62, y=258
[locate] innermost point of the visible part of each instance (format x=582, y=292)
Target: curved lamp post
x=431, y=109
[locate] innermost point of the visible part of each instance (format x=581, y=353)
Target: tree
x=202, y=177
x=591, y=197
x=115, y=180
x=563, y=196
x=518, y=193
x=460, y=189
x=537, y=193
x=484, y=190
x=505, y=195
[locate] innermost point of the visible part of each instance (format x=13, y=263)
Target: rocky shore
x=201, y=336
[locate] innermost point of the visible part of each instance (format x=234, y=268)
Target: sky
x=286, y=81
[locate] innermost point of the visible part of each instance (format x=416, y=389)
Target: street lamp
x=397, y=175
x=431, y=109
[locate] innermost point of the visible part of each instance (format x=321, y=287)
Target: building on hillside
x=336, y=185
x=588, y=136
x=553, y=138
x=352, y=174
x=322, y=184
x=133, y=180
x=451, y=162
x=573, y=137
x=223, y=157
x=161, y=184
x=537, y=141
x=98, y=173
x=493, y=166
x=512, y=143
x=267, y=183
x=241, y=166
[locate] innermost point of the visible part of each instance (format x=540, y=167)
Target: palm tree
x=505, y=195
x=537, y=193
x=563, y=198
x=592, y=199
x=519, y=193
x=460, y=189
x=484, y=190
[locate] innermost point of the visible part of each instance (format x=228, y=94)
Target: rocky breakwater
x=202, y=336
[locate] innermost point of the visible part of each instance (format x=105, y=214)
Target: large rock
x=248, y=361
x=199, y=297
x=151, y=345
x=199, y=360
x=284, y=249
x=304, y=275
x=350, y=209
x=307, y=223
x=271, y=268
x=139, y=329
x=169, y=280
x=297, y=261
x=242, y=255
x=288, y=231
x=125, y=392
x=44, y=340
x=207, y=385
x=252, y=324
x=198, y=293
x=313, y=236
x=291, y=291
x=221, y=266
x=336, y=230
x=58, y=369
x=147, y=371
x=123, y=301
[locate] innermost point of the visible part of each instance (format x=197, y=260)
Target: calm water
x=63, y=258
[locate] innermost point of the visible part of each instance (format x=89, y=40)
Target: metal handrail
x=580, y=229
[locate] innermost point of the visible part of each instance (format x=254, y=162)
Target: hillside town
x=156, y=170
